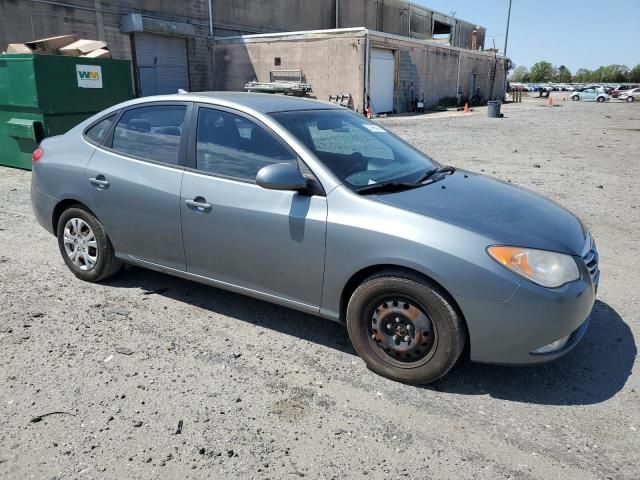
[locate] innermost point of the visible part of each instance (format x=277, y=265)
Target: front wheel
x=85, y=246
x=630, y=99
x=601, y=99
x=405, y=328
x=575, y=98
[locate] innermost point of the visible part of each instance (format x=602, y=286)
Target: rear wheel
x=630, y=99
x=85, y=247
x=575, y=98
x=405, y=328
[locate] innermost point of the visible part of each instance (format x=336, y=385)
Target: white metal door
x=381, y=80
x=161, y=63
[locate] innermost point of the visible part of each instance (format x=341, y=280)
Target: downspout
x=367, y=59
x=210, y=18
x=99, y=20
x=458, y=96
x=209, y=45
x=337, y=13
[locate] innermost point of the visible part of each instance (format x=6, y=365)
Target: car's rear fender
x=59, y=175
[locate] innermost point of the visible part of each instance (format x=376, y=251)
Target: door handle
x=198, y=204
x=99, y=182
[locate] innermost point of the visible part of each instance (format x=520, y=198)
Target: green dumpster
x=44, y=95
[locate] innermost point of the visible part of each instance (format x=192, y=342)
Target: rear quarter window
x=97, y=132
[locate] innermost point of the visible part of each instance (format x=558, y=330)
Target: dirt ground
x=216, y=385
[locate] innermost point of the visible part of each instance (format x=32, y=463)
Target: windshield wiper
x=431, y=173
x=392, y=186
x=383, y=187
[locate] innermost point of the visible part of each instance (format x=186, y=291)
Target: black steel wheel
x=401, y=331
x=405, y=328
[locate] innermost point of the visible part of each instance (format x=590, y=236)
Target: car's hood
x=506, y=214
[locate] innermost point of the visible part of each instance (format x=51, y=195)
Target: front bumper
x=509, y=332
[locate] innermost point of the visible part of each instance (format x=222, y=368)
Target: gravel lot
x=265, y=392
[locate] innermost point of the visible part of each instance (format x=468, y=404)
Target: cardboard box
x=51, y=44
x=18, y=48
x=99, y=53
x=82, y=47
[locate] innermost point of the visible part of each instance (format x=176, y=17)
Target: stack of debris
x=285, y=87
x=69, y=45
x=287, y=82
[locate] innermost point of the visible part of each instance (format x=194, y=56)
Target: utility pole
x=506, y=40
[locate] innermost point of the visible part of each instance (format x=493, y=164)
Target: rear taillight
x=37, y=154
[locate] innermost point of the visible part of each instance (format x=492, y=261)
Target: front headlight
x=549, y=269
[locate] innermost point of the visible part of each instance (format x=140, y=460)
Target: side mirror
x=281, y=176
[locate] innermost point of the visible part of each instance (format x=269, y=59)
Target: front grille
x=591, y=259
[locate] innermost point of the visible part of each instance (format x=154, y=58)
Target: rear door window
x=151, y=133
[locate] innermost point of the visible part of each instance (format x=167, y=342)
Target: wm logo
x=89, y=75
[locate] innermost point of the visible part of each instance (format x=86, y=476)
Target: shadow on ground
x=593, y=372
x=240, y=307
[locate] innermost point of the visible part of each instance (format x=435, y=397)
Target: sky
x=574, y=33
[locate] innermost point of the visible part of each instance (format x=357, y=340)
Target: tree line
x=543, y=72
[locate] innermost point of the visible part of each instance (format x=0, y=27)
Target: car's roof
x=263, y=102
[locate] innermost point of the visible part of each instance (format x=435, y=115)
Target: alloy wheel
x=80, y=244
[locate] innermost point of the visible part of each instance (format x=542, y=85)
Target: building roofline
x=393, y=36
x=337, y=31
x=357, y=31
x=423, y=7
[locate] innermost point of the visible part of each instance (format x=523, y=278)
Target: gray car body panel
x=301, y=251
x=141, y=207
x=252, y=234
x=61, y=177
x=508, y=214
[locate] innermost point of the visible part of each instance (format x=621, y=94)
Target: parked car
x=309, y=205
x=591, y=94
x=622, y=89
x=630, y=95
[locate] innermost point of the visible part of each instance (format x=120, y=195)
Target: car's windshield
x=356, y=150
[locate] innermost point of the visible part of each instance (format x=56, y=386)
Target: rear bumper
x=43, y=206
x=508, y=333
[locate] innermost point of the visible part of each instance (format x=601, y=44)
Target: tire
x=98, y=261
x=631, y=99
x=435, y=333
x=601, y=99
x=575, y=98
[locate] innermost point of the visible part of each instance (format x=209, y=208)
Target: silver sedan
x=591, y=95
x=630, y=95
x=311, y=206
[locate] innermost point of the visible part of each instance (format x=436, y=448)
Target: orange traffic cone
x=466, y=108
x=550, y=101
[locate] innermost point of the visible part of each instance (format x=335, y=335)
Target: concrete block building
x=384, y=71
x=382, y=53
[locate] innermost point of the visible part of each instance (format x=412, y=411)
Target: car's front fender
x=363, y=234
